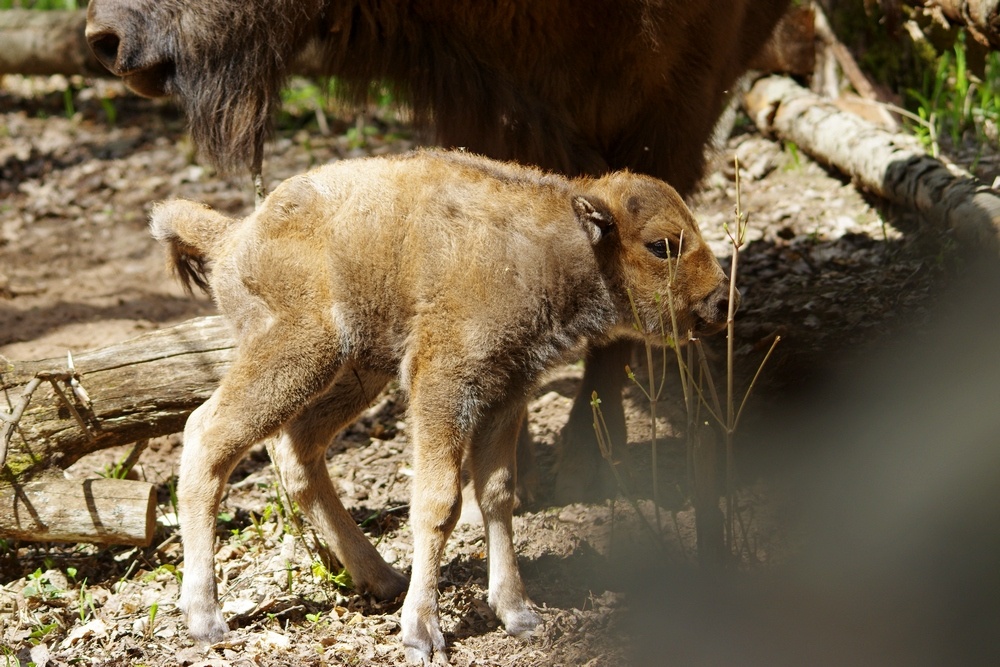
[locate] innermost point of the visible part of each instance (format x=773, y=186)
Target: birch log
x=53, y=42
x=140, y=388
x=43, y=43
x=890, y=165
x=105, y=511
x=981, y=17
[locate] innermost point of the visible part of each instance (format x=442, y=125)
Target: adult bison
x=577, y=87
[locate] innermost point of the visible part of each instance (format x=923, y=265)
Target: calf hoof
x=423, y=641
x=522, y=623
x=387, y=585
x=206, y=626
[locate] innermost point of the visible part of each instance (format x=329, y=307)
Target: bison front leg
x=438, y=443
x=494, y=476
x=579, y=476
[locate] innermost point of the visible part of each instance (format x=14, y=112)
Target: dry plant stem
x=737, y=242
x=653, y=397
x=133, y=456
x=753, y=383
x=259, y=193
x=604, y=443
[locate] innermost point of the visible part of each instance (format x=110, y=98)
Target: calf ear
x=594, y=216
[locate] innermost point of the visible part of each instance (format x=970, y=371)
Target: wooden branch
x=890, y=165
x=43, y=43
x=859, y=80
x=140, y=388
x=106, y=511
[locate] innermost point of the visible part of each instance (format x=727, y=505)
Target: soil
x=821, y=268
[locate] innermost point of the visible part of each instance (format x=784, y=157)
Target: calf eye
x=664, y=248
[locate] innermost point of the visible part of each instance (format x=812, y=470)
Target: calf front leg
x=494, y=476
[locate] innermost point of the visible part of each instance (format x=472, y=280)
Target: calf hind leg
x=300, y=456
x=274, y=375
x=438, y=445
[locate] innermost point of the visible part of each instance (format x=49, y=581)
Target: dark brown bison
x=577, y=87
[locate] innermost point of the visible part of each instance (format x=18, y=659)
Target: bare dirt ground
x=78, y=270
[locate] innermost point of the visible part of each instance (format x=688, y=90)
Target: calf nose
x=714, y=309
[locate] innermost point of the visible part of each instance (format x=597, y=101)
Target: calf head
x=656, y=261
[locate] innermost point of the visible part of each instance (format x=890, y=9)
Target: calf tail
x=192, y=234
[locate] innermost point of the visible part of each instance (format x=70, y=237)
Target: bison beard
x=580, y=88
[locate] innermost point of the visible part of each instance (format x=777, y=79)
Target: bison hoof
x=423, y=640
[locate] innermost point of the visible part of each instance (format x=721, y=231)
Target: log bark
x=140, y=388
x=44, y=43
x=105, y=511
x=890, y=165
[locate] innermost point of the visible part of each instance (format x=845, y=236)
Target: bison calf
x=464, y=278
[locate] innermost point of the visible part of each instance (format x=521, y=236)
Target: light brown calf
x=464, y=278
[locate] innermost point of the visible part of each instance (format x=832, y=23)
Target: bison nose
x=119, y=39
x=105, y=47
x=103, y=35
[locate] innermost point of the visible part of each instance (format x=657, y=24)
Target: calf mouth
x=705, y=328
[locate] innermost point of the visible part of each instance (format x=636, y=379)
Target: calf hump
x=191, y=233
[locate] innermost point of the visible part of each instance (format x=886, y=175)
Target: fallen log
x=980, y=17
x=105, y=511
x=44, y=43
x=57, y=412
x=890, y=165
x=53, y=42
